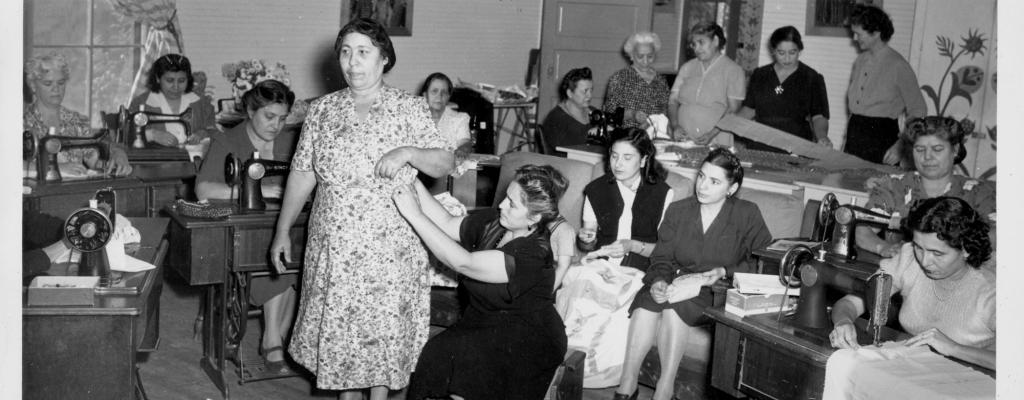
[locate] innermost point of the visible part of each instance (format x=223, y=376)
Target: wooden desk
x=141, y=194
x=222, y=254
x=76, y=352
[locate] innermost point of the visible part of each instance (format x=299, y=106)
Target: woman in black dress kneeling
x=510, y=340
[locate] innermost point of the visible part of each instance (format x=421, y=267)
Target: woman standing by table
x=787, y=95
x=703, y=238
x=706, y=88
x=567, y=124
x=638, y=89
x=364, y=304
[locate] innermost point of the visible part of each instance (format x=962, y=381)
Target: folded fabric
x=685, y=287
x=900, y=372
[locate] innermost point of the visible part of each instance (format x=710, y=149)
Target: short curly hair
x=570, y=80
x=170, y=63
x=37, y=66
x=944, y=128
x=639, y=38
x=954, y=221
x=378, y=36
x=268, y=92
x=542, y=187
x=872, y=19
x=724, y=158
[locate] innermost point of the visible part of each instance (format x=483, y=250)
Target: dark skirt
x=870, y=137
x=491, y=356
x=264, y=288
x=690, y=311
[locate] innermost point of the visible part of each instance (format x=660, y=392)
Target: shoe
x=272, y=366
x=620, y=396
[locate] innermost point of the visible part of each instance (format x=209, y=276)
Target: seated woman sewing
x=936, y=145
x=170, y=87
x=510, y=340
x=267, y=105
x=949, y=303
x=47, y=76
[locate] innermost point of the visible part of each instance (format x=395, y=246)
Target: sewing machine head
x=46, y=149
x=835, y=226
x=814, y=273
x=249, y=176
x=602, y=123
x=88, y=230
x=131, y=125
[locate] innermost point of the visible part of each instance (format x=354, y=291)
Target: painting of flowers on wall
x=395, y=15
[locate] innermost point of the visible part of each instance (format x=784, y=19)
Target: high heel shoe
x=272, y=366
x=620, y=396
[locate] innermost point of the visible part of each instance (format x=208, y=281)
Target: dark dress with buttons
x=683, y=248
x=787, y=106
x=509, y=340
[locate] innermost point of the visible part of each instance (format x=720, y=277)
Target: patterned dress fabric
x=627, y=89
x=71, y=124
x=364, y=307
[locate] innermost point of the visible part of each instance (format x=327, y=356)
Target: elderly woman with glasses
x=170, y=87
x=47, y=77
x=638, y=89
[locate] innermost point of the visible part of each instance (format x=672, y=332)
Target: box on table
x=750, y=304
x=62, y=290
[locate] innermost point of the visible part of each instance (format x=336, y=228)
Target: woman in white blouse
x=454, y=125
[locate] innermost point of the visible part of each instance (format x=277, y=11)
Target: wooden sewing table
x=223, y=255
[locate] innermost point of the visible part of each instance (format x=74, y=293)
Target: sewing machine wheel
x=232, y=170
x=823, y=224
x=88, y=229
x=790, y=265
x=237, y=308
x=140, y=119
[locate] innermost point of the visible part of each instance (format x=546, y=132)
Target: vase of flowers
x=245, y=74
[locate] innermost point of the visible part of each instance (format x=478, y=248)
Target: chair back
x=540, y=142
x=576, y=172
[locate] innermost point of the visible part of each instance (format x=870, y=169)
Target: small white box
x=750, y=304
x=62, y=290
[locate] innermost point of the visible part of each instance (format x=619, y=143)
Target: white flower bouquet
x=245, y=74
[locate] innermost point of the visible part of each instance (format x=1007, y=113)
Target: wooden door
x=586, y=33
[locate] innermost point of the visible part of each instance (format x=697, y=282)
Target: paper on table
x=761, y=284
x=132, y=264
x=786, y=244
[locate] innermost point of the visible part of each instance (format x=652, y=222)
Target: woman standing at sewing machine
x=787, y=95
x=47, y=77
x=936, y=145
x=638, y=89
x=267, y=105
x=170, y=86
x=949, y=302
x=568, y=122
x=701, y=240
x=365, y=304
x=706, y=88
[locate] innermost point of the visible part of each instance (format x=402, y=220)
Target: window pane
x=110, y=28
x=113, y=72
x=59, y=22
x=76, y=93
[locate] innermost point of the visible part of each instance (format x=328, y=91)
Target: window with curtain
x=103, y=50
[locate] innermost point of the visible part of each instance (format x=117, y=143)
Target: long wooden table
x=90, y=352
x=223, y=254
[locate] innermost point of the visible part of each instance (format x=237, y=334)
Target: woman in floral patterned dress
x=364, y=305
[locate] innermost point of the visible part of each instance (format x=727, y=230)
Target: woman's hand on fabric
x=72, y=168
x=844, y=336
x=162, y=137
x=406, y=200
x=118, y=165
x=391, y=162
x=281, y=249
x=934, y=338
x=659, y=291
x=196, y=137
x=887, y=250
x=616, y=249
x=713, y=275
x=892, y=155
x=272, y=190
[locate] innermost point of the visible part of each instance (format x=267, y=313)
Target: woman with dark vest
x=621, y=214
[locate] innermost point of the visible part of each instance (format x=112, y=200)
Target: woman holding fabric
x=702, y=239
x=706, y=88
x=787, y=95
x=267, y=105
x=936, y=146
x=170, y=86
x=567, y=124
x=638, y=88
x=47, y=77
x=621, y=214
x=510, y=340
x=949, y=302
x=364, y=309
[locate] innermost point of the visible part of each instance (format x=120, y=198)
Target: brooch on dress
x=778, y=90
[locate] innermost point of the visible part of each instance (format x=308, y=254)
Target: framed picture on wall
x=828, y=17
x=395, y=15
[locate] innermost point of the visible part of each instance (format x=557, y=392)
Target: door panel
x=586, y=33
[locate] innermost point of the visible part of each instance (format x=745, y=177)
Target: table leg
x=214, y=320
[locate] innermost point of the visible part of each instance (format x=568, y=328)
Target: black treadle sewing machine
x=131, y=126
x=833, y=266
x=249, y=175
x=88, y=230
x=46, y=148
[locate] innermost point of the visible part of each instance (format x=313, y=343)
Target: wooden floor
x=172, y=372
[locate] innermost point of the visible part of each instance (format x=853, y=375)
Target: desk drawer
x=252, y=247
x=198, y=255
x=768, y=371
